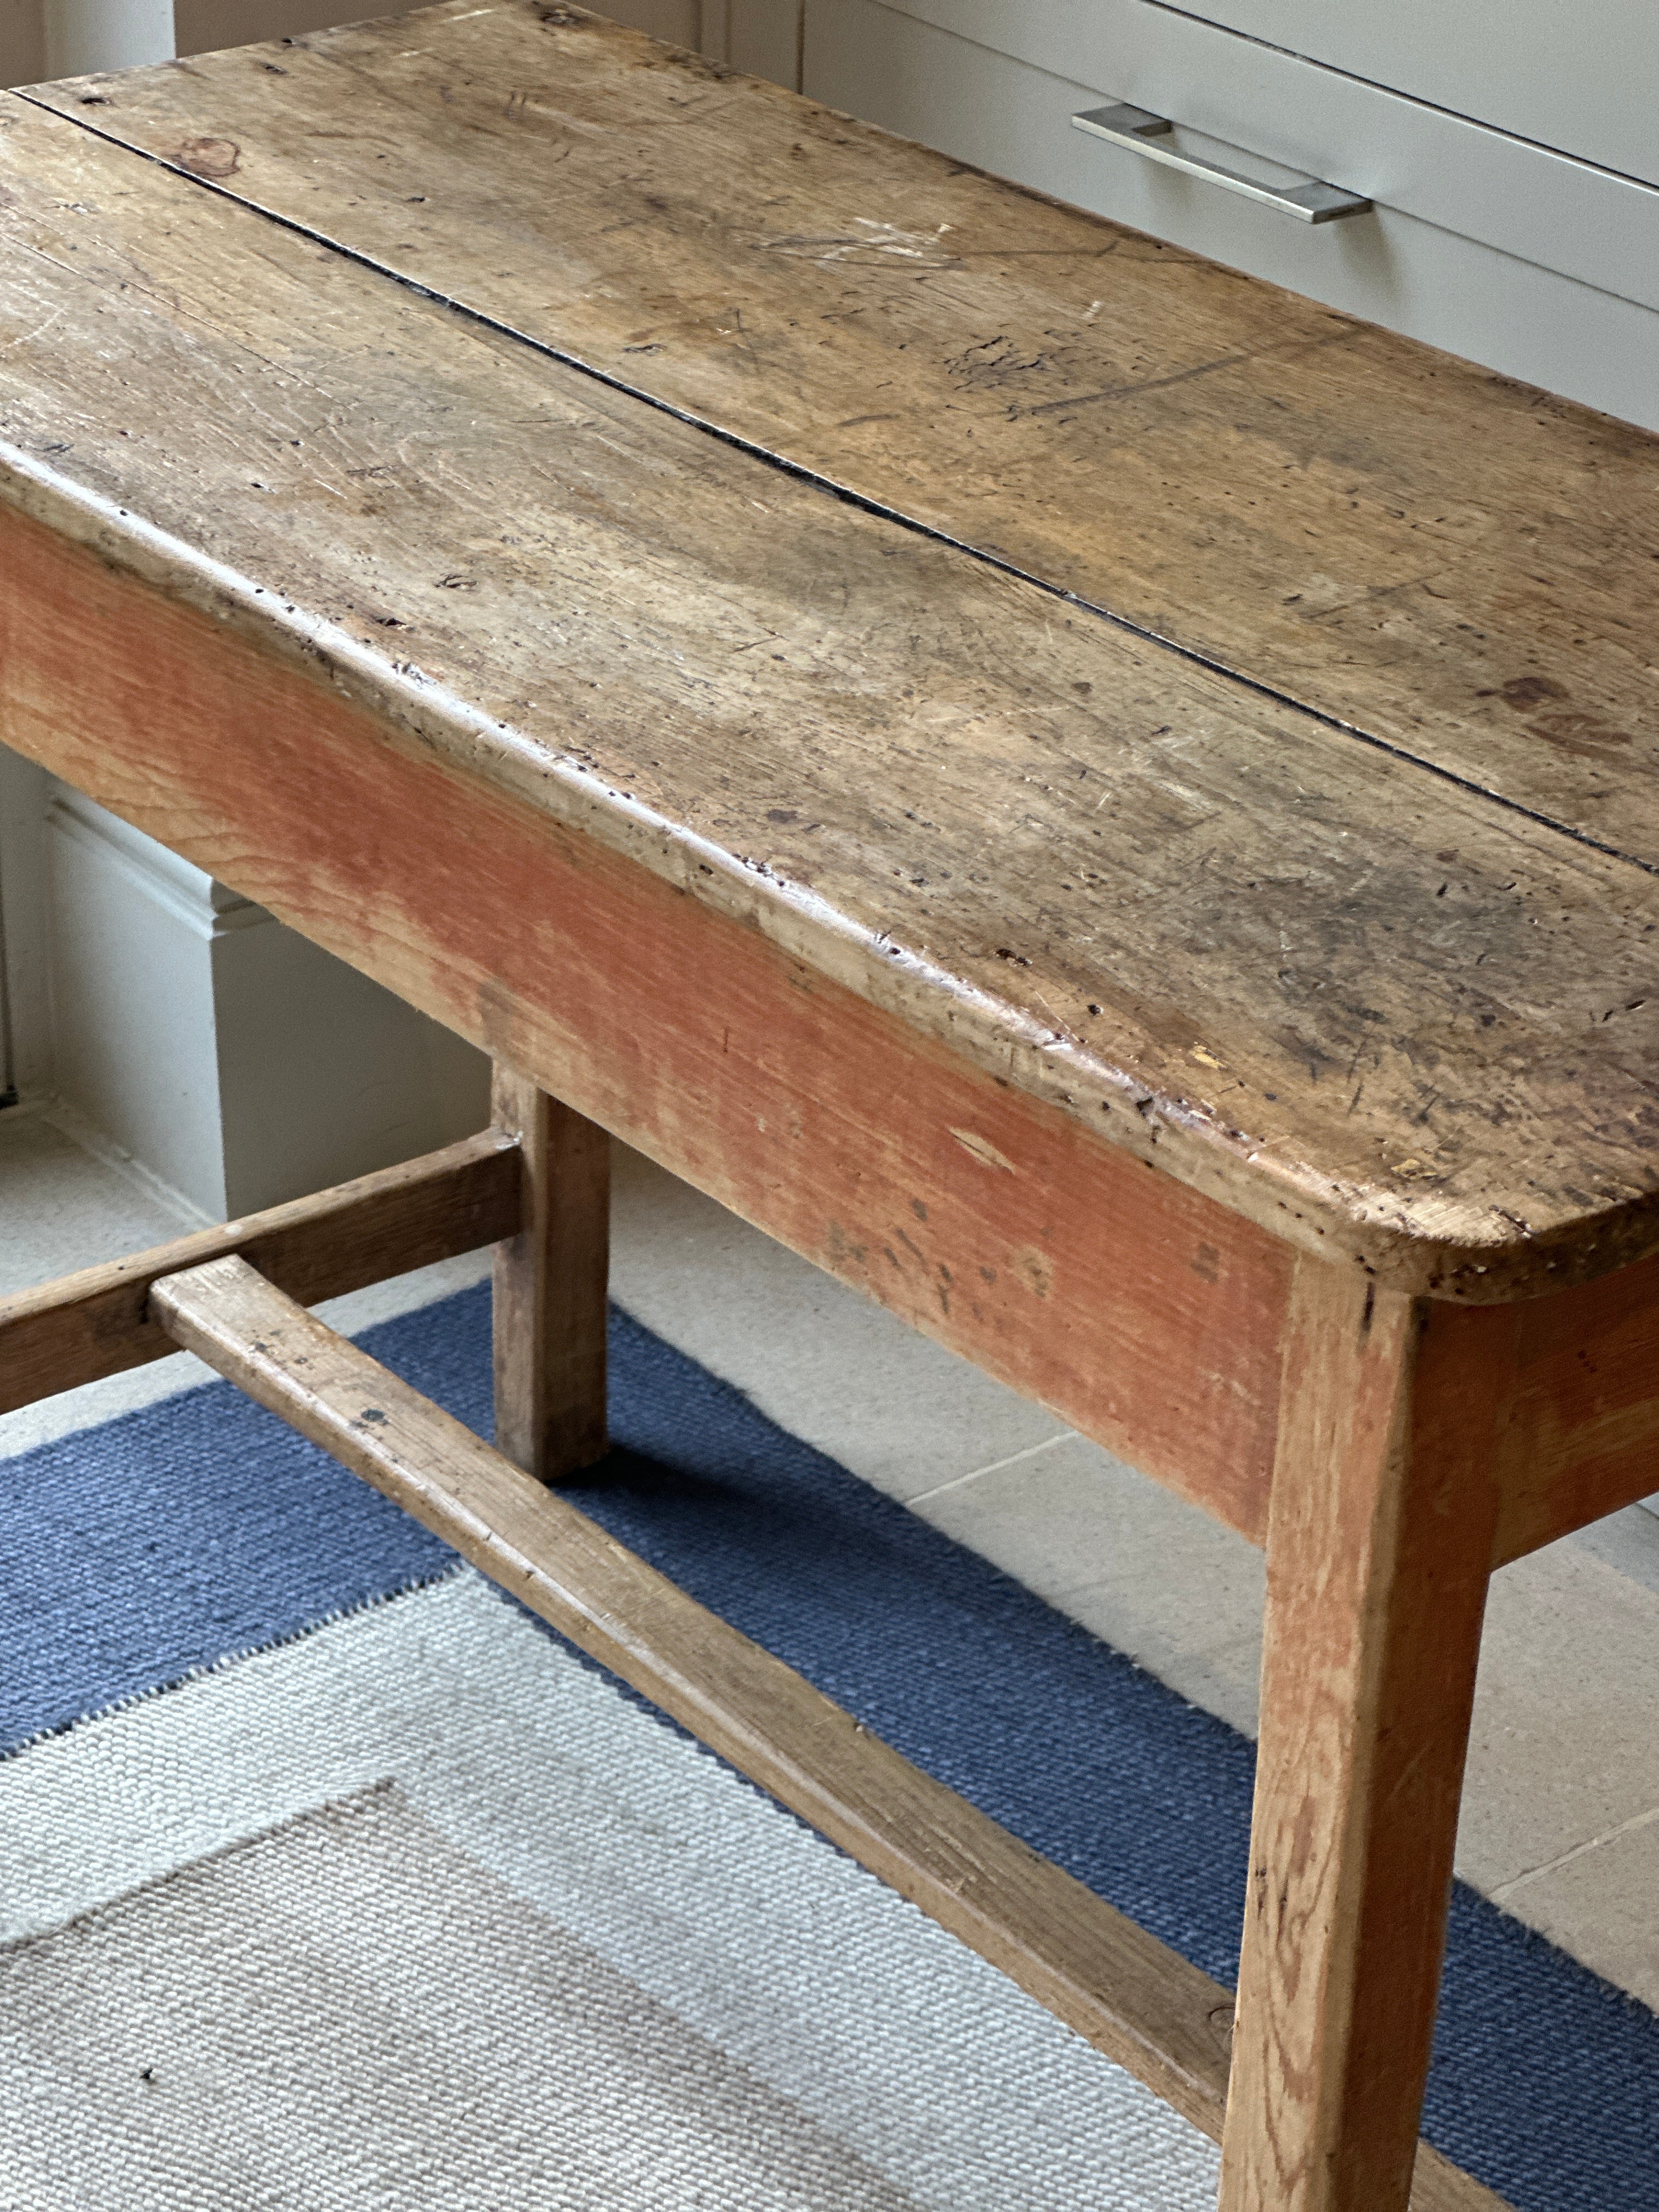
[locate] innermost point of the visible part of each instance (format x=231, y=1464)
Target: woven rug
x=332, y=1878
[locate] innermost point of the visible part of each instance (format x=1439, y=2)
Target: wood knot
x=214, y=159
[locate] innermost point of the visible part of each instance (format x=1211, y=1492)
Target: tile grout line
x=1505, y=1890
x=994, y=1467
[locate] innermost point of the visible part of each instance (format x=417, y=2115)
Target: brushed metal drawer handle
x=1134, y=128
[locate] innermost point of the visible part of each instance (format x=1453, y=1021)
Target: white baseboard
x=131, y=929
x=170, y=884
x=221, y=1058
x=323, y=1074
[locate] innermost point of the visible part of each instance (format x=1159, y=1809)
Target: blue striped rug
x=314, y=1645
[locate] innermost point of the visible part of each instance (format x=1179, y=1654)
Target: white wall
x=129, y=929
x=186, y=1032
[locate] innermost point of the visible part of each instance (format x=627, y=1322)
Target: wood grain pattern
x=915, y=910
x=96, y=1322
x=1375, y=1013
x=1384, y=1502
x=1437, y=2186
x=1584, y=1438
x=1133, y=1998
x=1458, y=565
x=1142, y=1312
x=550, y=1282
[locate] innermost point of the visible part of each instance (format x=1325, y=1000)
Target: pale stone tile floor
x=1561, y=1814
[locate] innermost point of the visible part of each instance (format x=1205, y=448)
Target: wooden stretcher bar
x=534, y=1186
x=1240, y=1050
x=1132, y=1997
x=97, y=1322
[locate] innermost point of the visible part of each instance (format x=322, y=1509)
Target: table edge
x=1435, y=1248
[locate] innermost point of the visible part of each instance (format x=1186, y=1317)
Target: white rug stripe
x=909, y=2050
x=348, y=2012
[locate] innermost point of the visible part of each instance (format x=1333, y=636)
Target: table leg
x=1380, y=1539
x=551, y=1280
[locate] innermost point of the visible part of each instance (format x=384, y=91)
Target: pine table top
x=1227, y=720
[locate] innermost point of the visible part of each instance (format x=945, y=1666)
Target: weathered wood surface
x=550, y=1285
x=1131, y=1996
x=1141, y=1311
x=1374, y=1011
x=1585, y=1440
x=1385, y=1497
x=97, y=1322
x=1458, y=565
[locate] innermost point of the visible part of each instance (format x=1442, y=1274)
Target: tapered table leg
x=1379, y=1547
x=551, y=1281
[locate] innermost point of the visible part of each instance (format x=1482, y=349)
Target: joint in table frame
x=535, y=1185
x=1134, y=1999
x=94, y=1323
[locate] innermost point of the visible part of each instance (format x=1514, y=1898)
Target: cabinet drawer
x=1578, y=78
x=1511, y=254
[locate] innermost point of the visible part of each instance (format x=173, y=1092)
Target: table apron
x=1141, y=1311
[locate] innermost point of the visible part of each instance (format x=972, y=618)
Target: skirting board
x=237, y=1064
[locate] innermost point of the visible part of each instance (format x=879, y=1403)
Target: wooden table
x=1110, y=806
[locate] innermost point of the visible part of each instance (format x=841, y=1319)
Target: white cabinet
x=1578, y=77
x=1537, y=263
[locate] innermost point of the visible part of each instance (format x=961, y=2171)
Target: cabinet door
x=1579, y=78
